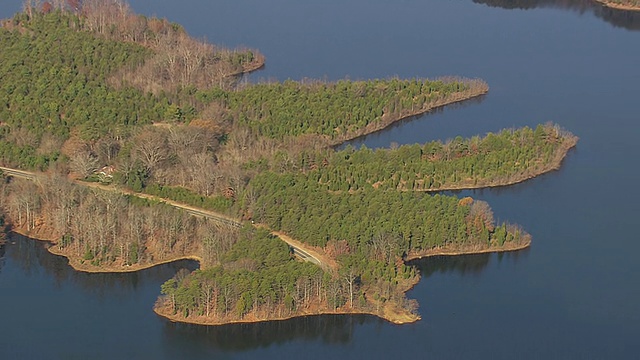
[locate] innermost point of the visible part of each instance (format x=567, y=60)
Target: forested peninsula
x=129, y=127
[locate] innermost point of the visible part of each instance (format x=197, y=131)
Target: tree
x=84, y=163
x=107, y=148
x=350, y=275
x=30, y=6
x=481, y=209
x=151, y=148
x=169, y=289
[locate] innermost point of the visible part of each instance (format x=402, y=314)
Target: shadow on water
x=629, y=20
x=329, y=329
x=464, y=265
x=32, y=257
x=2, y=252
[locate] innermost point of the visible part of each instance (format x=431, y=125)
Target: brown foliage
x=335, y=248
x=73, y=145
x=482, y=215
x=150, y=147
x=83, y=163
x=103, y=228
x=179, y=59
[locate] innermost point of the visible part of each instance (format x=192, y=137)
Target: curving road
x=219, y=218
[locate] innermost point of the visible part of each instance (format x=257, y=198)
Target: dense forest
x=368, y=232
x=103, y=229
x=300, y=206
x=91, y=91
x=341, y=110
x=496, y=159
x=257, y=279
x=507, y=157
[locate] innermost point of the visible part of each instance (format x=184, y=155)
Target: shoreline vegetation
x=390, y=313
x=473, y=250
x=558, y=157
x=626, y=5
x=79, y=264
x=477, y=88
x=175, y=132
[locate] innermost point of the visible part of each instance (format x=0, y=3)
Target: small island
x=139, y=146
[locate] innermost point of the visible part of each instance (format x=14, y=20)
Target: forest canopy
x=90, y=91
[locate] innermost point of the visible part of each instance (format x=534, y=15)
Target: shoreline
x=444, y=251
x=75, y=262
x=203, y=321
x=386, y=121
x=388, y=312
x=253, y=66
x=618, y=6
x=554, y=165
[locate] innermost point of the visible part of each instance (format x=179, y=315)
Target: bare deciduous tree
x=350, y=276
x=482, y=210
x=30, y=6
x=204, y=173
x=84, y=163
x=107, y=149
x=151, y=147
x=23, y=137
x=49, y=143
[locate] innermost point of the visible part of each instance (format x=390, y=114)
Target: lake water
x=575, y=294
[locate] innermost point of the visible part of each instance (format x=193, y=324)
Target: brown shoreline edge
x=203, y=321
x=388, y=313
x=618, y=6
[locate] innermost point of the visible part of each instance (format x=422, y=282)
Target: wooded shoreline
x=387, y=121
x=76, y=263
x=554, y=165
x=393, y=314
x=389, y=312
x=247, y=274
x=448, y=251
x=165, y=312
x=389, y=315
